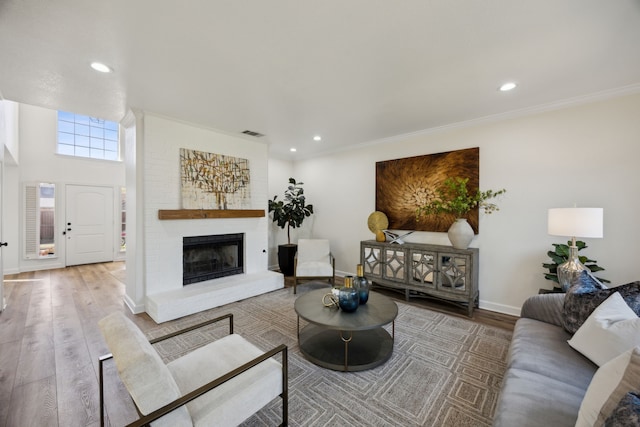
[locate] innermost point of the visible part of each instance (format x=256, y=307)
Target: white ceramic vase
x=460, y=234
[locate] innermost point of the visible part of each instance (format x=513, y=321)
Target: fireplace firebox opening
x=212, y=257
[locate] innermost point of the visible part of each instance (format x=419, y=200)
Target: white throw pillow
x=608, y=386
x=610, y=330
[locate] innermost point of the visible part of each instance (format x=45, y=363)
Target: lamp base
x=569, y=272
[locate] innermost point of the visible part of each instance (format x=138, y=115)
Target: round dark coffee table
x=344, y=341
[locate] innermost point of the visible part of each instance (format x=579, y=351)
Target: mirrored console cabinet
x=423, y=270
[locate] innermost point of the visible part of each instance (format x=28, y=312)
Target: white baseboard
x=500, y=308
x=133, y=307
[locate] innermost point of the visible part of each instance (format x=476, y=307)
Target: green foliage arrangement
x=560, y=255
x=453, y=197
x=293, y=210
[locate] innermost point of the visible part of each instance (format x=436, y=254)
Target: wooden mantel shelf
x=209, y=213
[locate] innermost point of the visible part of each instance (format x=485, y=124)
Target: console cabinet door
x=372, y=261
x=454, y=273
x=424, y=269
x=395, y=264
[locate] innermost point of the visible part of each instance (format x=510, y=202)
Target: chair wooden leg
x=295, y=283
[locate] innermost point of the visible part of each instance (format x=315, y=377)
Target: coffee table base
x=345, y=350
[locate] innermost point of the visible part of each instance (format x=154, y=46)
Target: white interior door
x=89, y=224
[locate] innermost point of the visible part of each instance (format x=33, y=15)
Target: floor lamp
x=574, y=222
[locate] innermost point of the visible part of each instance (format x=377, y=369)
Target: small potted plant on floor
x=289, y=213
x=454, y=198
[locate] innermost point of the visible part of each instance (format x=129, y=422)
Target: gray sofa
x=546, y=379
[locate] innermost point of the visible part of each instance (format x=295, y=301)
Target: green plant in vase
x=289, y=213
x=454, y=198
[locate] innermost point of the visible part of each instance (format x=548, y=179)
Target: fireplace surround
x=154, y=264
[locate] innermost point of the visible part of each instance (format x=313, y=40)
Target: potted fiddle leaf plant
x=454, y=198
x=289, y=213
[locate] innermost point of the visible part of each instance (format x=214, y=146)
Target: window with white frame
x=85, y=136
x=40, y=220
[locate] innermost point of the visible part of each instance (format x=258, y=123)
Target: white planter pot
x=460, y=234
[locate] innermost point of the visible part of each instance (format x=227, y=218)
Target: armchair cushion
x=314, y=269
x=314, y=258
x=234, y=401
x=314, y=250
x=143, y=373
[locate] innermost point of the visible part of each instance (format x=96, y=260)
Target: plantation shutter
x=31, y=229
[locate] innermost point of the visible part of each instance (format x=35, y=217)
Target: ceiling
x=352, y=71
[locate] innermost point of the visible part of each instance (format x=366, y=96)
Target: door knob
x=4, y=244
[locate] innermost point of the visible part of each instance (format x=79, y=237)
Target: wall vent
x=252, y=133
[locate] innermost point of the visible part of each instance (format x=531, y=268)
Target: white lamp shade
x=575, y=222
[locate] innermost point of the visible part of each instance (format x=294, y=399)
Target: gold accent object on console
x=377, y=222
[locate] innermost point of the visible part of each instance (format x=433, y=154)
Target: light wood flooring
x=50, y=344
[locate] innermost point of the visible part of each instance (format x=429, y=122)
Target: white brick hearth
x=212, y=293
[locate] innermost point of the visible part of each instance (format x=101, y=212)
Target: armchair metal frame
x=147, y=419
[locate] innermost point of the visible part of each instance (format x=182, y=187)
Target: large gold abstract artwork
x=404, y=184
x=214, y=181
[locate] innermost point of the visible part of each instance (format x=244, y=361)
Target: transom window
x=85, y=136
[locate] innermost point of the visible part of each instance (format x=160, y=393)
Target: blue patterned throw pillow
x=627, y=413
x=587, y=293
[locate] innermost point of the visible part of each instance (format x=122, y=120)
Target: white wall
x=39, y=163
x=585, y=154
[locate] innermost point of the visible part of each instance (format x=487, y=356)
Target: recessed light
x=317, y=138
x=508, y=86
x=293, y=150
x=99, y=66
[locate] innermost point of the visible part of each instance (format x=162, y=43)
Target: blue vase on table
x=348, y=298
x=361, y=284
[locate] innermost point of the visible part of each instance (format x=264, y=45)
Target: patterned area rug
x=444, y=371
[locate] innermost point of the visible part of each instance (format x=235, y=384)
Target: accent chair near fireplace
x=230, y=377
x=314, y=261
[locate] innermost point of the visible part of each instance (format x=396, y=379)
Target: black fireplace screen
x=211, y=257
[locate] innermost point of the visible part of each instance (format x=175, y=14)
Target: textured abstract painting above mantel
x=214, y=181
x=402, y=185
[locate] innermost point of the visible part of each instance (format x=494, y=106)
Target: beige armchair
x=313, y=261
x=220, y=384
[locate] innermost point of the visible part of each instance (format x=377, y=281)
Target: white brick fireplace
x=165, y=296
